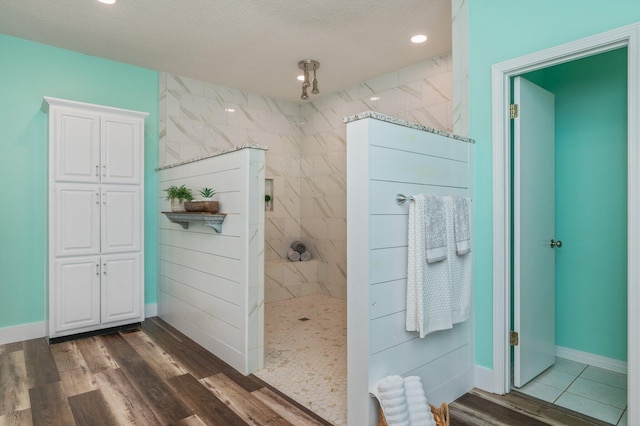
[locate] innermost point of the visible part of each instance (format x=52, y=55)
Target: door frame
x=501, y=75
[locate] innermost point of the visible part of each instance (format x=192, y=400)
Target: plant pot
x=177, y=205
x=194, y=206
x=211, y=206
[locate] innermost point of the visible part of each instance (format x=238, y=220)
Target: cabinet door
x=121, y=149
x=77, y=220
x=121, y=288
x=121, y=218
x=76, y=146
x=76, y=293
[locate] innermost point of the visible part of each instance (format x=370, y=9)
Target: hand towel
x=428, y=284
x=298, y=246
x=419, y=410
x=461, y=225
x=293, y=255
x=461, y=272
x=391, y=396
x=305, y=255
x=436, y=233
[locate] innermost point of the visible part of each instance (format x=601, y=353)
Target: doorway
x=587, y=305
x=501, y=75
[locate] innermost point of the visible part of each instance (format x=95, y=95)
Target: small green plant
x=180, y=193
x=267, y=198
x=207, y=192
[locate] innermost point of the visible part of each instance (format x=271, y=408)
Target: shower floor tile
x=307, y=360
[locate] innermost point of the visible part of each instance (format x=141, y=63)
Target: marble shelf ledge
x=217, y=153
x=213, y=221
x=401, y=122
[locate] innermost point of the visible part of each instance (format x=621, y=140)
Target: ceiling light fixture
x=420, y=38
x=307, y=65
x=107, y=1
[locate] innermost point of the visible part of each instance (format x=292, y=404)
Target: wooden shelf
x=213, y=221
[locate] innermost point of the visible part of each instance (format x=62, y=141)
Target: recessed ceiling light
x=375, y=98
x=420, y=38
x=107, y=1
x=230, y=109
x=301, y=77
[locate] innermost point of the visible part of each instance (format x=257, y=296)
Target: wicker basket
x=440, y=414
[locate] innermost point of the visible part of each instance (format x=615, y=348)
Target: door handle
x=555, y=244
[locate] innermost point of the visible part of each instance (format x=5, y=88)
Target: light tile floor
x=307, y=360
x=583, y=388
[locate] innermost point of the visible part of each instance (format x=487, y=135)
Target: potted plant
x=208, y=205
x=207, y=194
x=177, y=195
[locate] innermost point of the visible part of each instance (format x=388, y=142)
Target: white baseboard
x=18, y=333
x=591, y=359
x=483, y=378
x=151, y=310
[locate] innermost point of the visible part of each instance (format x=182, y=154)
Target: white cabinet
x=95, y=237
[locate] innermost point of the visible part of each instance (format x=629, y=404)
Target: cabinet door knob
x=97, y=269
x=104, y=170
x=104, y=268
x=97, y=198
x=97, y=170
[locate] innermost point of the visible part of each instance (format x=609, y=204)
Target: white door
x=534, y=228
x=121, y=220
x=77, y=219
x=121, y=287
x=121, y=149
x=76, y=146
x=76, y=293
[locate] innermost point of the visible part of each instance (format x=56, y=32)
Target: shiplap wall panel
x=383, y=160
x=210, y=283
x=228, y=290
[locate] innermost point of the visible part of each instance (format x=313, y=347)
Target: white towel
x=461, y=224
x=419, y=411
x=436, y=232
x=293, y=255
x=461, y=271
x=428, y=284
x=305, y=256
x=392, y=398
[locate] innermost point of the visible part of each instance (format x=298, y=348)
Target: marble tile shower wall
x=421, y=93
x=307, y=147
x=198, y=119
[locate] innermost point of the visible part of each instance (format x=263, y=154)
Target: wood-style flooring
x=158, y=376
x=154, y=376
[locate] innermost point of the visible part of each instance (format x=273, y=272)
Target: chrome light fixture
x=307, y=65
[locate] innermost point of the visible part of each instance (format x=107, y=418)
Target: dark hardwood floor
x=158, y=376
x=154, y=376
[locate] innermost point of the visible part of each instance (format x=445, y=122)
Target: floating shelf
x=213, y=221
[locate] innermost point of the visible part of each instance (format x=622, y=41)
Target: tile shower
x=306, y=160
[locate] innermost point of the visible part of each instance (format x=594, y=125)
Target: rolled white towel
x=305, y=256
x=293, y=255
x=298, y=246
x=393, y=394
x=419, y=411
x=390, y=383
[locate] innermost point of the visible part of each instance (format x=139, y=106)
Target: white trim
x=150, y=310
x=18, y=333
x=592, y=359
x=483, y=378
x=501, y=169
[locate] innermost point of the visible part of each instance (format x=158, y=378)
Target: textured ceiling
x=254, y=45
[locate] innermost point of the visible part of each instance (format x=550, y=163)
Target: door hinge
x=513, y=338
x=513, y=111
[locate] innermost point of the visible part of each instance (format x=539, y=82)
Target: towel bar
x=401, y=199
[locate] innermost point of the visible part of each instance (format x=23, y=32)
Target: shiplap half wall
x=384, y=159
x=210, y=285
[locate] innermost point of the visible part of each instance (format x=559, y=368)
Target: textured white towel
x=461, y=224
x=461, y=271
x=293, y=255
x=428, y=284
x=419, y=411
x=436, y=232
x=392, y=397
x=305, y=256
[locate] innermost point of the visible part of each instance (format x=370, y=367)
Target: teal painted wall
x=591, y=202
x=30, y=71
x=500, y=30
